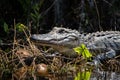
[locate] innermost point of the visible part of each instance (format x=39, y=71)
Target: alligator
x=104, y=45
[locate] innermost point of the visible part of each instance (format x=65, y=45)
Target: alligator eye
x=62, y=31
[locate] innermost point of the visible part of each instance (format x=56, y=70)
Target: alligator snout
x=33, y=37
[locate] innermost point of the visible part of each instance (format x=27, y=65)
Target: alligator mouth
x=46, y=40
x=45, y=43
x=55, y=43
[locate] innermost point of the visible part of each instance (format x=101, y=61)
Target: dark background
x=40, y=16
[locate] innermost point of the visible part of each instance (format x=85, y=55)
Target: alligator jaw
x=48, y=40
x=56, y=43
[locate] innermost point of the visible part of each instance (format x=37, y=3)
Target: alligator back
x=107, y=39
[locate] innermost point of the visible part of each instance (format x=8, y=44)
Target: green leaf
x=6, y=27
x=83, y=75
x=20, y=27
x=1, y=41
x=83, y=50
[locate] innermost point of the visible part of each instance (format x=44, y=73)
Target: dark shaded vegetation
x=86, y=15
x=39, y=16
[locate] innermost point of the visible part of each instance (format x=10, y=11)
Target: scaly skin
x=103, y=44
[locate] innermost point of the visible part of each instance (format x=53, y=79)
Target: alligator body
x=104, y=45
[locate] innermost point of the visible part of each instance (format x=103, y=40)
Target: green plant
x=83, y=75
x=32, y=10
x=20, y=27
x=36, y=15
x=5, y=26
x=83, y=51
x=4, y=30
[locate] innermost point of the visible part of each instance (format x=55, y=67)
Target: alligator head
x=61, y=39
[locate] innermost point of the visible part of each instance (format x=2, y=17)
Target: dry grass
x=23, y=60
